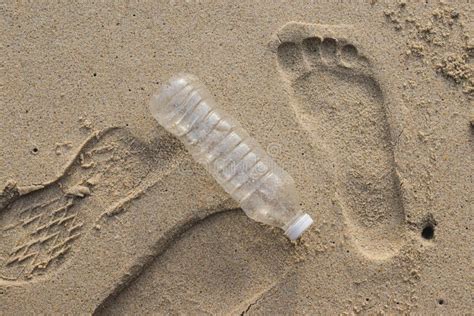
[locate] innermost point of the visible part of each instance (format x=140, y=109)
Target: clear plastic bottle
x=265, y=191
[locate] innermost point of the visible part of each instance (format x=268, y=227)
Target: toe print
x=290, y=58
x=338, y=100
x=348, y=53
x=299, y=58
x=312, y=47
x=329, y=50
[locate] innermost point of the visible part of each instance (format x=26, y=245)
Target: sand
x=367, y=104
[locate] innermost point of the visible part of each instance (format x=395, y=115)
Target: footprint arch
x=338, y=100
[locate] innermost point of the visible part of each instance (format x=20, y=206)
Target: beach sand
x=367, y=104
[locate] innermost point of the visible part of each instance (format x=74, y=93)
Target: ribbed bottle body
x=238, y=163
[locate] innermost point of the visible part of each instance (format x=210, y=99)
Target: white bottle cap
x=298, y=227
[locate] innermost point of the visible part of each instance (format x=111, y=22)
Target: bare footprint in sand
x=40, y=224
x=215, y=267
x=338, y=100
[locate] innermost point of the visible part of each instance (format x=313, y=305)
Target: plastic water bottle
x=265, y=191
